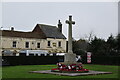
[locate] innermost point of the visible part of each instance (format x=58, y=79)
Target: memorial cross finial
x=70, y=22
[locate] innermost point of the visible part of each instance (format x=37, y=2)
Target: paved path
x=71, y=74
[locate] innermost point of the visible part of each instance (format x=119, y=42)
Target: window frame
x=59, y=44
x=27, y=45
x=49, y=43
x=14, y=44
x=38, y=45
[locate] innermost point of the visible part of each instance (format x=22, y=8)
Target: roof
x=51, y=31
x=40, y=31
x=9, y=33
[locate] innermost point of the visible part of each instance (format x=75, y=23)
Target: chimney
x=60, y=26
x=12, y=28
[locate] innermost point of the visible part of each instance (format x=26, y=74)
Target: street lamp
x=1, y=41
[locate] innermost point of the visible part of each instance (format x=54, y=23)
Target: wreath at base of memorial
x=70, y=68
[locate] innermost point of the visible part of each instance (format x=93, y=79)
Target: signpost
x=88, y=57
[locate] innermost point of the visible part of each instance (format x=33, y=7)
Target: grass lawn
x=23, y=71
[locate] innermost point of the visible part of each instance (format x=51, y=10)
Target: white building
x=42, y=37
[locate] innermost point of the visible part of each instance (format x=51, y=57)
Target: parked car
x=33, y=52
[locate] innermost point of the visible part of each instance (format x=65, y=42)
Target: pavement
x=71, y=74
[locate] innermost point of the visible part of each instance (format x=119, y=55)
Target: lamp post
x=1, y=41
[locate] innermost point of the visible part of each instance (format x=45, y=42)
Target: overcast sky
x=99, y=17
x=60, y=0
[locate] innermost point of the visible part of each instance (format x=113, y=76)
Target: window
x=27, y=45
x=54, y=44
x=14, y=44
x=59, y=44
x=38, y=45
x=49, y=43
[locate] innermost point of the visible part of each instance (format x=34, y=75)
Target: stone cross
x=70, y=58
x=70, y=22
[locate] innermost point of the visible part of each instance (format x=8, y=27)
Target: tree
x=98, y=46
x=80, y=46
x=118, y=43
x=91, y=35
x=111, y=45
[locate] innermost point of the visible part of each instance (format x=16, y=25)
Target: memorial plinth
x=70, y=64
x=69, y=59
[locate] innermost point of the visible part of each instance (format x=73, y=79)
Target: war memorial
x=70, y=67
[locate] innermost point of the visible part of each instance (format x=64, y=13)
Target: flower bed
x=69, y=68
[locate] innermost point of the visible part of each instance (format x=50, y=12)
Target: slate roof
x=41, y=31
x=9, y=33
x=51, y=31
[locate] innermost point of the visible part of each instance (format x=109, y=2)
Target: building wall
x=7, y=43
